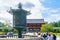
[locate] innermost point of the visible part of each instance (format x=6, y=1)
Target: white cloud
x=48, y=19
x=5, y=15
x=52, y=18
x=52, y=14
x=36, y=11
x=55, y=15
x=54, y=11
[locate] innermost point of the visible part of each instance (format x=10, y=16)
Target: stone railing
x=35, y=38
x=26, y=37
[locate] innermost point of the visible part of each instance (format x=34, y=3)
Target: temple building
x=34, y=25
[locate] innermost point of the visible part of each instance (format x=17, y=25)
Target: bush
x=56, y=30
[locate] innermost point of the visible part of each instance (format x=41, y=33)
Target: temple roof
x=35, y=21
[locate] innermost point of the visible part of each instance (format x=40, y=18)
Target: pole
x=19, y=34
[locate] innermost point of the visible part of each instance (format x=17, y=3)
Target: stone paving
x=58, y=38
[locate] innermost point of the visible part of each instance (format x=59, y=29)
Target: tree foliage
x=47, y=27
x=51, y=27
x=56, y=24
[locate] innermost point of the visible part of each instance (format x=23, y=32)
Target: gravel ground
x=58, y=38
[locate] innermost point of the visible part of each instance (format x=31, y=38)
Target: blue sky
x=47, y=9
x=52, y=3
x=53, y=13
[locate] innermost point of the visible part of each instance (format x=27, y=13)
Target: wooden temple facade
x=34, y=25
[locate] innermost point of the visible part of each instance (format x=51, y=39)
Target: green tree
x=44, y=28
x=15, y=31
x=47, y=27
x=50, y=27
x=58, y=24
x=55, y=24
x=4, y=28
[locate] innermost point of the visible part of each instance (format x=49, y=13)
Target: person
x=54, y=37
x=39, y=35
x=10, y=34
x=46, y=33
x=44, y=37
x=50, y=37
